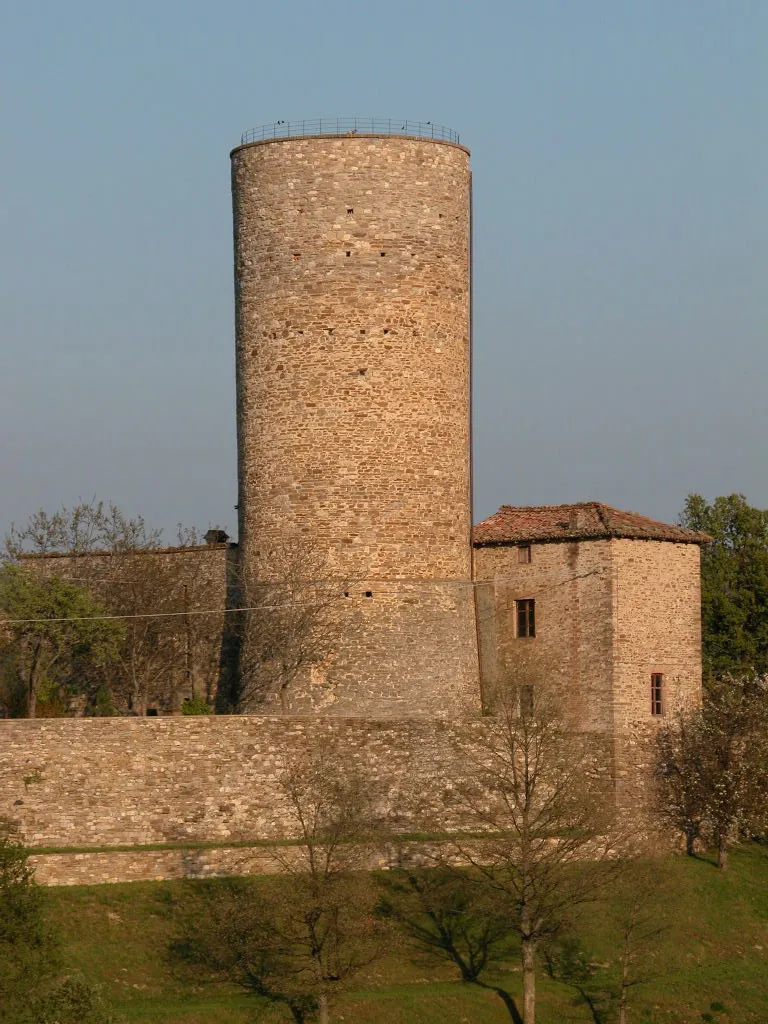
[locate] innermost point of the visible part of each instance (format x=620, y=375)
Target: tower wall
x=352, y=270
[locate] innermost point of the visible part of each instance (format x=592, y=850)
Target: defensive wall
x=122, y=799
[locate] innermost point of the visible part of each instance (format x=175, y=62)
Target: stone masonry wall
x=353, y=381
x=657, y=628
x=187, y=796
x=571, y=585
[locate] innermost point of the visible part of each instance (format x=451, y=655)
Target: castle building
x=352, y=248
x=605, y=602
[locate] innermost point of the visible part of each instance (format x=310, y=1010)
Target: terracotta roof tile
x=588, y=520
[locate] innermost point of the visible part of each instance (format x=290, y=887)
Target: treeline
x=97, y=618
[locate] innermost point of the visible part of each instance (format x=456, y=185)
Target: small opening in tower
x=369, y=593
x=350, y=209
x=362, y=371
x=346, y=593
x=362, y=330
x=152, y=713
x=349, y=252
x=330, y=330
x=440, y=215
x=386, y=330
x=382, y=254
x=297, y=255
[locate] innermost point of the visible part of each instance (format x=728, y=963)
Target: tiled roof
x=588, y=520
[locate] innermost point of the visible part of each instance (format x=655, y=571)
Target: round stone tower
x=352, y=296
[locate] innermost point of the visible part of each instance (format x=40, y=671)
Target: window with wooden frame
x=524, y=554
x=657, y=693
x=526, y=617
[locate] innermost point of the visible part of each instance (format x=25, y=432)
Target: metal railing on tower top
x=349, y=124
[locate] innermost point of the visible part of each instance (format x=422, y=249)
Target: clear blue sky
x=620, y=158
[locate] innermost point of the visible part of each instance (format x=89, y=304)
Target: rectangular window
x=525, y=701
x=657, y=693
x=526, y=617
x=524, y=554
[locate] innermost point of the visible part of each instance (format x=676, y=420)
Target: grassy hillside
x=709, y=964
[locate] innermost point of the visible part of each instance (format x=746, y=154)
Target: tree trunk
x=690, y=839
x=722, y=852
x=31, y=698
x=623, y=1007
x=322, y=1005
x=529, y=981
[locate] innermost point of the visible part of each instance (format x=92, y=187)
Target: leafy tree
x=679, y=770
x=166, y=647
x=712, y=764
x=71, y=1001
x=297, y=938
x=33, y=989
x=53, y=633
x=27, y=950
x=734, y=583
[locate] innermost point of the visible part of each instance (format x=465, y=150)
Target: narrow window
x=526, y=617
x=349, y=252
x=525, y=700
x=657, y=693
x=369, y=593
x=382, y=254
x=350, y=209
x=524, y=554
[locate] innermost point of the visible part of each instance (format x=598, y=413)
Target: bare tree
x=546, y=836
x=291, y=627
x=297, y=938
x=636, y=917
x=447, y=917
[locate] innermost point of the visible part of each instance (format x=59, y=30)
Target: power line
x=276, y=607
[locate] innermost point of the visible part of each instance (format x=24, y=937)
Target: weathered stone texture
x=571, y=585
x=352, y=321
x=657, y=626
x=609, y=613
x=111, y=783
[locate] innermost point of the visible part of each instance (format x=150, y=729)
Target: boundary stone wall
x=108, y=800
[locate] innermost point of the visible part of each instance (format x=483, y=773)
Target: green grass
x=710, y=964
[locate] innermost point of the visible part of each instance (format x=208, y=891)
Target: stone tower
x=352, y=295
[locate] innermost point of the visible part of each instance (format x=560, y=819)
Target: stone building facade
x=352, y=306
x=605, y=602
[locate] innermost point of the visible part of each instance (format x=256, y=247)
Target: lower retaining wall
x=121, y=799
